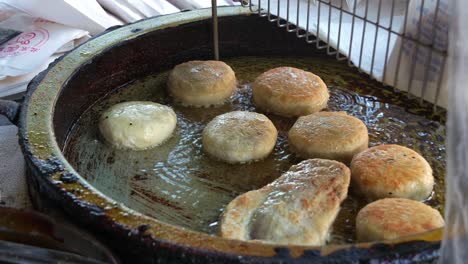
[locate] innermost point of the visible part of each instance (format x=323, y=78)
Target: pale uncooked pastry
x=289, y=92
x=391, y=171
x=328, y=135
x=297, y=208
x=137, y=125
x=202, y=83
x=392, y=218
x=239, y=136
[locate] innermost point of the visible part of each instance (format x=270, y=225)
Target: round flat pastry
x=392, y=218
x=137, y=125
x=239, y=137
x=288, y=91
x=328, y=135
x=391, y=171
x=202, y=83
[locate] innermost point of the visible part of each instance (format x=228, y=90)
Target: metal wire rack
x=401, y=43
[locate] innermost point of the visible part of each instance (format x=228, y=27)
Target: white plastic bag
x=84, y=14
x=39, y=40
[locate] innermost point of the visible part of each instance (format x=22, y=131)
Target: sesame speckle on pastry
x=391, y=171
x=202, y=83
x=391, y=218
x=239, y=137
x=288, y=91
x=328, y=135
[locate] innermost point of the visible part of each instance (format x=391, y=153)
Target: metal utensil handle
x=10, y=109
x=214, y=19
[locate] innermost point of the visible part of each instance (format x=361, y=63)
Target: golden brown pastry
x=328, y=135
x=391, y=171
x=288, y=91
x=297, y=208
x=239, y=136
x=202, y=83
x=392, y=218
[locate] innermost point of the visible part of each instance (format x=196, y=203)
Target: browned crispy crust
x=288, y=91
x=239, y=137
x=392, y=218
x=328, y=135
x=297, y=208
x=391, y=171
x=201, y=83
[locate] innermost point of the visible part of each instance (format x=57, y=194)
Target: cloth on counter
x=13, y=187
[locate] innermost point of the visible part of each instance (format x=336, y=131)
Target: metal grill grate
x=402, y=43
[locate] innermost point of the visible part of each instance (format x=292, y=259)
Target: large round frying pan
x=57, y=98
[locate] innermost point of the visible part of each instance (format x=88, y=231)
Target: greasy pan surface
x=58, y=97
x=178, y=184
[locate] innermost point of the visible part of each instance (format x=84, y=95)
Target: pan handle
x=10, y=109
